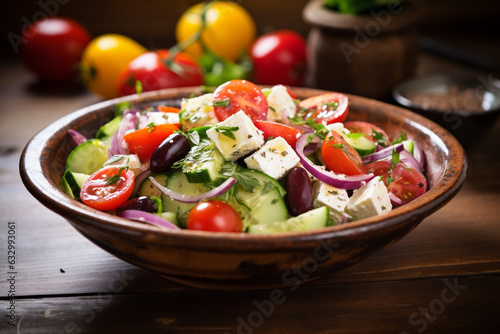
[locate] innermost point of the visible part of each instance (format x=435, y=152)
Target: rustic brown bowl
x=242, y=261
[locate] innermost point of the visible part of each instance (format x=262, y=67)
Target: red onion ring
x=396, y=201
x=336, y=180
x=127, y=123
x=149, y=218
x=77, y=137
x=408, y=159
x=418, y=154
x=382, y=153
x=138, y=181
x=195, y=198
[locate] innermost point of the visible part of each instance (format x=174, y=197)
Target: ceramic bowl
x=466, y=125
x=240, y=261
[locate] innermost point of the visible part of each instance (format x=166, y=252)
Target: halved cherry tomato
x=106, y=189
x=236, y=95
x=274, y=129
x=143, y=142
x=340, y=157
x=214, y=216
x=327, y=108
x=408, y=184
x=367, y=129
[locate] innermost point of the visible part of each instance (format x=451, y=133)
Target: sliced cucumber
x=314, y=219
x=203, y=163
x=109, y=129
x=257, y=208
x=88, y=157
x=148, y=189
x=409, y=145
x=170, y=216
x=264, y=179
x=360, y=143
x=72, y=182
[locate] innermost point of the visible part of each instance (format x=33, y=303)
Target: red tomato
x=152, y=71
x=274, y=129
x=143, y=142
x=214, y=216
x=53, y=47
x=340, y=157
x=367, y=129
x=101, y=192
x=408, y=184
x=279, y=57
x=327, y=108
x=236, y=95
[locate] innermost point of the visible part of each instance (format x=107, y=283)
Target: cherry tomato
x=152, y=70
x=279, y=57
x=340, y=157
x=104, y=59
x=327, y=108
x=144, y=142
x=274, y=129
x=54, y=47
x=367, y=129
x=229, y=29
x=408, y=184
x=214, y=216
x=236, y=95
x=105, y=190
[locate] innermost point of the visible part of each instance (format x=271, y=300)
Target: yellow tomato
x=228, y=32
x=104, y=59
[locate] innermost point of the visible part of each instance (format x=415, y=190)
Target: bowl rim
x=399, y=97
x=50, y=195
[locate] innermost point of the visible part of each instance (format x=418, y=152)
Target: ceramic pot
x=365, y=55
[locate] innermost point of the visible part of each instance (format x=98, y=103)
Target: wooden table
x=444, y=277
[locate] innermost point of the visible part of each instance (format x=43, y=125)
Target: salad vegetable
x=226, y=161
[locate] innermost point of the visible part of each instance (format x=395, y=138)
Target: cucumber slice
x=264, y=179
x=170, y=216
x=203, y=163
x=360, y=143
x=88, y=157
x=148, y=189
x=72, y=182
x=314, y=219
x=409, y=145
x=109, y=129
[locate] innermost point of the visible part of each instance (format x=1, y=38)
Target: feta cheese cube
x=333, y=198
x=246, y=136
x=275, y=158
x=198, y=111
x=280, y=104
x=131, y=160
x=157, y=118
x=337, y=127
x=370, y=200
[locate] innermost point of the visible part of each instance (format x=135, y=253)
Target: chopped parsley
x=395, y=160
x=151, y=126
x=320, y=130
x=245, y=180
x=379, y=138
x=221, y=103
x=402, y=137
x=113, y=179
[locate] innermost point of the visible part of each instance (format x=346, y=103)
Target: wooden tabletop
x=444, y=277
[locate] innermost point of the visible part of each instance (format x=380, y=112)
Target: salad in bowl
x=244, y=159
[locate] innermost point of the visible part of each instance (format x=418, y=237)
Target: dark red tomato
x=236, y=95
x=340, y=157
x=152, y=70
x=274, y=129
x=53, y=48
x=367, y=129
x=327, y=108
x=214, y=216
x=106, y=189
x=144, y=142
x=408, y=184
x=279, y=57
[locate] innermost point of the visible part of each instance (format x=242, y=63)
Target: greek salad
x=244, y=159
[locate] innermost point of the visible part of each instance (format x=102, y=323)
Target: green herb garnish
x=110, y=180
x=379, y=138
x=402, y=137
x=394, y=161
x=151, y=126
x=221, y=103
x=227, y=131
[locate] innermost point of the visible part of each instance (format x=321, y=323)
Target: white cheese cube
x=130, y=160
x=157, y=118
x=337, y=127
x=275, y=158
x=246, y=136
x=280, y=104
x=198, y=111
x=333, y=198
x=370, y=200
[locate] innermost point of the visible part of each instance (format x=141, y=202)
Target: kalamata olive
x=172, y=149
x=299, y=193
x=142, y=203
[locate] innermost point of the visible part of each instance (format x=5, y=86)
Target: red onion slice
x=127, y=123
x=77, y=137
x=382, y=153
x=149, y=218
x=336, y=180
x=138, y=181
x=396, y=201
x=418, y=154
x=408, y=159
x=195, y=198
